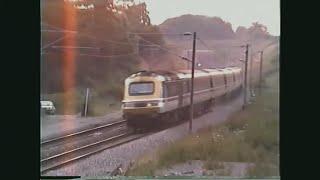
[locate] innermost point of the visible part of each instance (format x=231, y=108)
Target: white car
x=48, y=107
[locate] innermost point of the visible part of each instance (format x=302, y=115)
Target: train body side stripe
x=195, y=93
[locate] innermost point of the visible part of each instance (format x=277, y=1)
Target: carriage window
x=201, y=83
x=141, y=88
x=219, y=81
x=229, y=79
x=197, y=84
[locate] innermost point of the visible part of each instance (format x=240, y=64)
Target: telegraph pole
x=192, y=79
x=250, y=74
x=245, y=77
x=86, y=103
x=260, y=76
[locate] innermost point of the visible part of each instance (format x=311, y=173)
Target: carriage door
x=180, y=93
x=234, y=79
x=225, y=81
x=211, y=87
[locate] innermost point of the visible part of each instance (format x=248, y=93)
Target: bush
x=66, y=103
x=146, y=169
x=72, y=102
x=213, y=165
x=263, y=170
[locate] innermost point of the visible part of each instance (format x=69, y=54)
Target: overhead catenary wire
x=51, y=43
x=51, y=26
x=102, y=56
x=57, y=31
x=173, y=34
x=110, y=56
x=87, y=35
x=165, y=49
x=258, y=51
x=170, y=52
x=203, y=43
x=75, y=47
x=125, y=43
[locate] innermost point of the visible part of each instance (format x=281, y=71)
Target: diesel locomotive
x=152, y=97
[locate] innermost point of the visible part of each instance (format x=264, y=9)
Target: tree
x=258, y=30
x=97, y=27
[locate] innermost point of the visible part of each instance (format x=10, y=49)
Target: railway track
x=65, y=149
x=82, y=132
x=72, y=155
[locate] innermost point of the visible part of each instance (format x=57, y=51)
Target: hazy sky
x=237, y=12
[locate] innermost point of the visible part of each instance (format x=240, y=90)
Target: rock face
x=206, y=27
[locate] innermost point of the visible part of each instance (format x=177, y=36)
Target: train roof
x=182, y=74
x=167, y=74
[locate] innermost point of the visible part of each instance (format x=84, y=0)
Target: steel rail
x=124, y=135
x=82, y=132
x=83, y=147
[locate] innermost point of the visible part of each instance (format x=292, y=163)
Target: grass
x=72, y=102
x=212, y=165
x=66, y=103
x=263, y=170
x=248, y=136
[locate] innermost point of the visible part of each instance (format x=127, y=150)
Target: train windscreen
x=141, y=88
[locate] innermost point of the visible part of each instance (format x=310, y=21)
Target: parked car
x=47, y=107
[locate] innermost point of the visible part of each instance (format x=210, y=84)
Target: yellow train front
x=143, y=102
x=152, y=97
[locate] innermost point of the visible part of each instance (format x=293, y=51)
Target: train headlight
x=155, y=104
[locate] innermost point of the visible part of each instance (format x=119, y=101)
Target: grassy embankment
x=100, y=101
x=248, y=136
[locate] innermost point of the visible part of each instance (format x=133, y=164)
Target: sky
x=237, y=12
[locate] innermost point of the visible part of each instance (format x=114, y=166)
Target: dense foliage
x=102, y=31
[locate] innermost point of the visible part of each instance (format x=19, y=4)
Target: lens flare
x=69, y=60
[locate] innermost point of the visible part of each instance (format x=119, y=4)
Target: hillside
x=212, y=28
x=218, y=36
x=206, y=27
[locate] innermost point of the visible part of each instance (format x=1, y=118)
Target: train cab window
x=141, y=88
x=171, y=89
